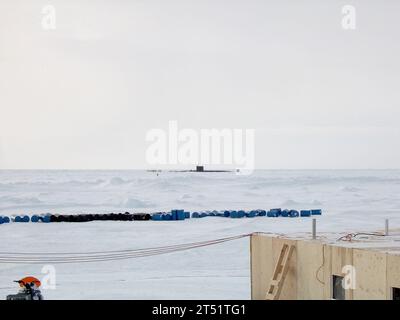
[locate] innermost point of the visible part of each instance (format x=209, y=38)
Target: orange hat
x=29, y=280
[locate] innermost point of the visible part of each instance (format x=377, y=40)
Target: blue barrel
x=180, y=215
x=261, y=213
x=4, y=219
x=203, y=214
x=277, y=211
x=285, y=213
x=234, y=214
x=187, y=215
x=293, y=213
x=195, y=215
x=227, y=213
x=305, y=213
x=241, y=213
x=274, y=213
x=251, y=214
x=45, y=218
x=35, y=218
x=156, y=217
x=316, y=212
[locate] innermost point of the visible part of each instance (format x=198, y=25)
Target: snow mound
x=136, y=203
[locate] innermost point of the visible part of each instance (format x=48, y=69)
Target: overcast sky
x=84, y=95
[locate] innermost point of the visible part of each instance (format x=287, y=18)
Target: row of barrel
x=278, y=212
x=47, y=218
x=176, y=214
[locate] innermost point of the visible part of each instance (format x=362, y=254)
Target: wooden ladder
x=281, y=269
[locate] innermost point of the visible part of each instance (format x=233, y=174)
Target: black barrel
x=120, y=217
x=54, y=218
x=82, y=218
x=62, y=218
x=97, y=217
x=141, y=216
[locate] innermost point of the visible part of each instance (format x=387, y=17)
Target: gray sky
x=84, y=95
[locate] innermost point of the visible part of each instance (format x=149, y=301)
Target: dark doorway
x=395, y=293
x=338, y=292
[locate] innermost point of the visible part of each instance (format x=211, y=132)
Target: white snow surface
x=351, y=200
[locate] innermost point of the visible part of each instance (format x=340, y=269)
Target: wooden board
x=393, y=274
x=261, y=265
x=327, y=272
x=370, y=269
x=279, y=274
x=289, y=288
x=310, y=261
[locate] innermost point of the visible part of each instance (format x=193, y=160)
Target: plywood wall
x=261, y=265
x=310, y=262
x=393, y=274
x=340, y=257
x=264, y=255
x=313, y=264
x=289, y=289
x=370, y=275
x=300, y=281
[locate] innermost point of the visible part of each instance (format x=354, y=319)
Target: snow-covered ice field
x=351, y=201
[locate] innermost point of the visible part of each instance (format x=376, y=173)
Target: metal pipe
x=314, y=228
x=386, y=227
